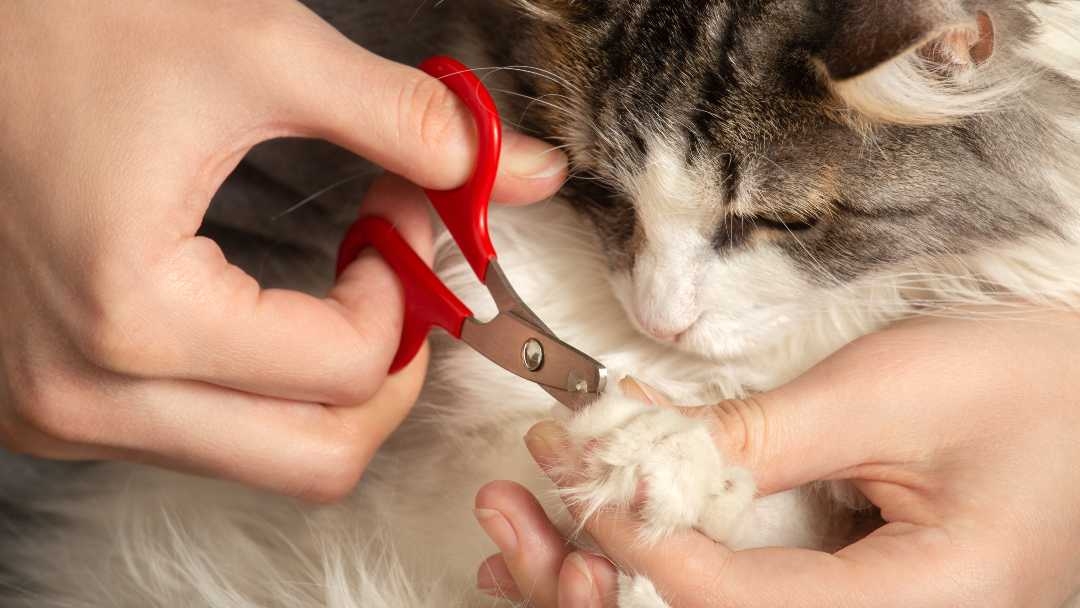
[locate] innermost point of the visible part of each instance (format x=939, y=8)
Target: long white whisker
x=314, y=197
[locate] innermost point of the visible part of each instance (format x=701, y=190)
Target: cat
x=756, y=183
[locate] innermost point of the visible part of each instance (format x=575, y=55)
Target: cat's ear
x=907, y=61
x=870, y=34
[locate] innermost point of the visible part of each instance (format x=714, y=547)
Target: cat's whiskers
x=949, y=295
x=536, y=100
x=314, y=197
x=532, y=71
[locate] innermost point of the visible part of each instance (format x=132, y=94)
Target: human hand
x=963, y=433
x=122, y=335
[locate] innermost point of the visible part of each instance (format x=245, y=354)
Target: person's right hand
x=122, y=335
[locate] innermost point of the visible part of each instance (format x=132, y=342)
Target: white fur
x=619, y=444
x=910, y=90
x=1059, y=37
x=146, y=538
x=680, y=291
x=142, y=538
x=913, y=89
x=675, y=214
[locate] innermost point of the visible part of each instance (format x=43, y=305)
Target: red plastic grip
x=428, y=303
x=465, y=210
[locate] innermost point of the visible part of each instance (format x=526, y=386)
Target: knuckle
x=46, y=409
x=342, y=466
x=430, y=111
x=740, y=426
x=115, y=337
x=357, y=393
x=109, y=344
x=109, y=325
x=357, y=380
x=104, y=343
x=347, y=393
x=358, y=389
x=268, y=26
x=44, y=397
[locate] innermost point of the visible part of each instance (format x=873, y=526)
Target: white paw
x=663, y=463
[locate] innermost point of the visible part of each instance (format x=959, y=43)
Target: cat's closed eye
x=785, y=222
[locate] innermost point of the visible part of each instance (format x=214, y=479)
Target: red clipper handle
x=428, y=303
x=465, y=210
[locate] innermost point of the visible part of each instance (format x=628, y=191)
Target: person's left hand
x=962, y=431
x=537, y=564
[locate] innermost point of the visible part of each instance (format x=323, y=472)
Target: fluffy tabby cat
x=757, y=182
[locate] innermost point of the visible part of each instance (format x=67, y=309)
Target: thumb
x=404, y=120
x=873, y=401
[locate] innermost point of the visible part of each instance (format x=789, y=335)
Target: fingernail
x=498, y=530
x=544, y=442
x=578, y=589
x=636, y=389
x=531, y=158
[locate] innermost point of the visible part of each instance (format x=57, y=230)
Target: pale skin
x=122, y=335
x=963, y=432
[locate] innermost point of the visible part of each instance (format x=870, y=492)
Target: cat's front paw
x=628, y=454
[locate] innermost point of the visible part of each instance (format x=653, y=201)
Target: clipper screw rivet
x=532, y=355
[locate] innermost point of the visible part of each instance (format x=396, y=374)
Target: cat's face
x=747, y=161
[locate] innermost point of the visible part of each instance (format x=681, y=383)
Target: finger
x=532, y=548
x=636, y=389
x=530, y=170
x=899, y=566
x=363, y=303
x=495, y=579
x=404, y=120
x=215, y=325
x=18, y=437
x=616, y=530
x=329, y=447
x=306, y=450
x=887, y=568
x=874, y=393
x=588, y=581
